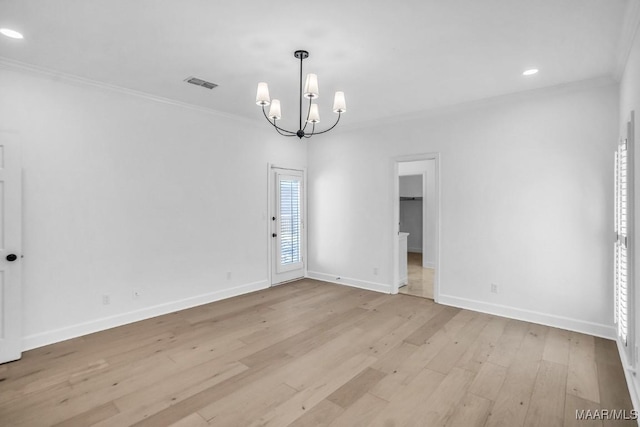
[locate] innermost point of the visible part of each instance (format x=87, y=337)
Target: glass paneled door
x=287, y=226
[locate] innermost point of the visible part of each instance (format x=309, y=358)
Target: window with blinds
x=290, y=221
x=621, y=248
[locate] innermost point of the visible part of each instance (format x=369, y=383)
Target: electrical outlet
x=228, y=275
x=375, y=271
x=136, y=293
x=494, y=288
x=106, y=299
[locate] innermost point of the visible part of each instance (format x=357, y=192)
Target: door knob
x=274, y=235
x=11, y=257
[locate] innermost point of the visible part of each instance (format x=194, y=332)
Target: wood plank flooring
x=420, y=279
x=311, y=353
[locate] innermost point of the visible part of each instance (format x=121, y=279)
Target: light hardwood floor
x=420, y=278
x=311, y=353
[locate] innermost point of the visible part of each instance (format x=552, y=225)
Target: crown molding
x=630, y=25
x=482, y=103
x=17, y=66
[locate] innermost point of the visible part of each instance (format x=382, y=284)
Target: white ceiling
x=390, y=58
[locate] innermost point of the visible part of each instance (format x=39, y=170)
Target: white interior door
x=10, y=249
x=287, y=226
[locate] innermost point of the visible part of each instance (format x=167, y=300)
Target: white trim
x=415, y=250
x=13, y=65
x=631, y=232
x=62, y=334
x=461, y=107
x=425, y=218
x=355, y=283
x=429, y=265
x=630, y=376
x=576, y=325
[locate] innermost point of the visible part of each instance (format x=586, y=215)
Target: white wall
x=526, y=196
x=411, y=211
x=630, y=101
x=123, y=193
x=411, y=222
x=410, y=185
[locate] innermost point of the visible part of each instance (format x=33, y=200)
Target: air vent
x=199, y=82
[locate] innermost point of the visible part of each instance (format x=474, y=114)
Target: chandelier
x=310, y=91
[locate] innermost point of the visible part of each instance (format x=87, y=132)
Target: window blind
x=290, y=217
x=621, y=252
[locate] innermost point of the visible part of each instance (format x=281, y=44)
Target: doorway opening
x=416, y=225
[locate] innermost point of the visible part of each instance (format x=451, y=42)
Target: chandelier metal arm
x=284, y=134
x=327, y=130
x=313, y=129
x=278, y=129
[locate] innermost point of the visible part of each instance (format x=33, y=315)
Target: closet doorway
x=417, y=221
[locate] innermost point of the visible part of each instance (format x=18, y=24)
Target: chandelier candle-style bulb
x=274, y=111
x=314, y=115
x=339, y=103
x=262, y=97
x=311, y=87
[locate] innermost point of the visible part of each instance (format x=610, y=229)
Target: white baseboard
x=429, y=264
x=362, y=284
x=590, y=328
x=57, y=335
x=415, y=250
x=629, y=375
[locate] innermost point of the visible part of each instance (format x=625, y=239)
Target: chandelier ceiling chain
x=310, y=90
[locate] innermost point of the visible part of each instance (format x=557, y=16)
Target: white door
x=10, y=249
x=287, y=226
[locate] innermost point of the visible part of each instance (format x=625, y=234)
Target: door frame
x=271, y=196
x=395, y=228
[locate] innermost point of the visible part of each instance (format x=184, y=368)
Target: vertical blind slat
x=620, y=250
x=290, y=225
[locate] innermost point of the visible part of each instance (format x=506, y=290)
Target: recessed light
x=530, y=72
x=11, y=33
